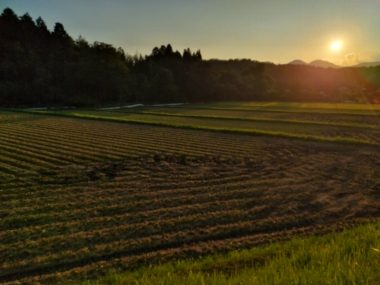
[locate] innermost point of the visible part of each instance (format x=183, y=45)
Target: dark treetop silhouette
x=39, y=67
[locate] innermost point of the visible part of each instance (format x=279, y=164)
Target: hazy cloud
x=351, y=59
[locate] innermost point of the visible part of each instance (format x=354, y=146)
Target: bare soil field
x=79, y=197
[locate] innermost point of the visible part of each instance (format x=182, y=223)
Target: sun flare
x=336, y=46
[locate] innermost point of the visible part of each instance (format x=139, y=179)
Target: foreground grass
x=348, y=257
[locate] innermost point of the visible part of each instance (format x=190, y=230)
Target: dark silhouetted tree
x=41, y=25
x=9, y=15
x=43, y=68
x=59, y=33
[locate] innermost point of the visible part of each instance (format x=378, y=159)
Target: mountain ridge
x=327, y=64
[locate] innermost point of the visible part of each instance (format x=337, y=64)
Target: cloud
x=351, y=59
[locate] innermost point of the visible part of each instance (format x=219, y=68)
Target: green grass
x=310, y=105
x=326, y=108
x=348, y=257
x=293, y=117
x=267, y=120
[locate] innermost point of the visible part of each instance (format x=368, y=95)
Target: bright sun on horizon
x=336, y=45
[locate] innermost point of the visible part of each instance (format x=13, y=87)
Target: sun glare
x=336, y=46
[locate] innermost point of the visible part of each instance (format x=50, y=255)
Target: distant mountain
x=368, y=64
x=298, y=62
x=316, y=63
x=327, y=64
x=323, y=63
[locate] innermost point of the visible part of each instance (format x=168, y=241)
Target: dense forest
x=42, y=67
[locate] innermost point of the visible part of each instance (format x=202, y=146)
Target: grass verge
x=348, y=257
x=232, y=118
x=330, y=109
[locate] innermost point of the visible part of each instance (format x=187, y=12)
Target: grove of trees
x=40, y=67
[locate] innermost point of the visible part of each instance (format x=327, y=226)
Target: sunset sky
x=341, y=31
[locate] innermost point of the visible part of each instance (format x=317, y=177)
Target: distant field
x=86, y=191
x=366, y=120
x=298, y=107
x=350, y=128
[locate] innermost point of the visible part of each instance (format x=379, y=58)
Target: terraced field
x=362, y=129
x=79, y=196
x=292, y=107
x=370, y=119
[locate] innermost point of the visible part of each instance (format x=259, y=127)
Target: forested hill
x=42, y=67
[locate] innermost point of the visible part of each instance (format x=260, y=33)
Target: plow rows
x=78, y=197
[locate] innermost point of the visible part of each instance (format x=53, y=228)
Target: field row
x=365, y=134
x=80, y=224
x=291, y=107
x=44, y=143
x=71, y=272
x=364, y=121
x=299, y=261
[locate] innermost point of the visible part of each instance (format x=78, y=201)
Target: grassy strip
x=348, y=257
x=213, y=129
x=269, y=110
x=303, y=105
x=233, y=118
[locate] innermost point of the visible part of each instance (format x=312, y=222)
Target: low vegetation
x=349, y=257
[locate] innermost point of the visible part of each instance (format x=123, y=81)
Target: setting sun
x=336, y=46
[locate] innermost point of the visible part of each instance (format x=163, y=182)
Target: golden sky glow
x=266, y=30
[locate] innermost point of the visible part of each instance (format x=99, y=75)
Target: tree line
x=42, y=67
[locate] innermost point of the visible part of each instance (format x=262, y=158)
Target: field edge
x=351, y=256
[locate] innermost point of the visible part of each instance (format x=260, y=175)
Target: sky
x=266, y=30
